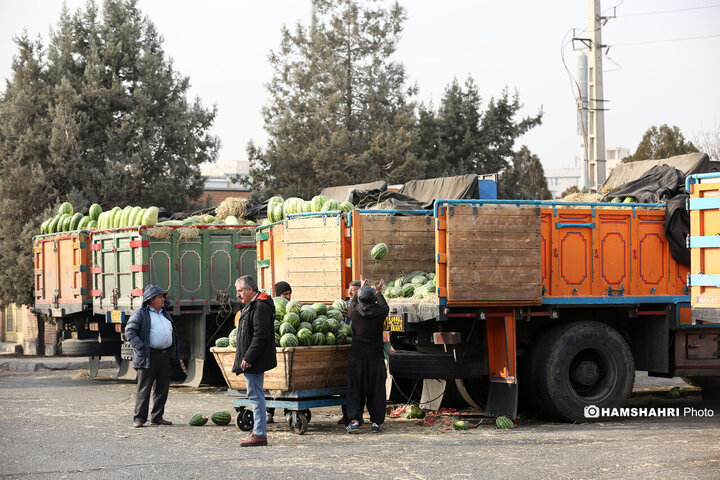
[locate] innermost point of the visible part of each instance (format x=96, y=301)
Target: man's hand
x=244, y=365
x=379, y=285
x=364, y=281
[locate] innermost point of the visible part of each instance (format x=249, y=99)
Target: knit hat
x=282, y=287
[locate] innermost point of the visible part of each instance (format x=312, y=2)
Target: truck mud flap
x=408, y=364
x=126, y=371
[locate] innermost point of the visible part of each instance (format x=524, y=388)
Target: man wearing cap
x=366, y=371
x=282, y=289
x=151, y=332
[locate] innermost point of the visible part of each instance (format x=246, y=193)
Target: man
x=366, y=367
x=353, y=287
x=282, y=289
x=255, y=352
x=151, y=333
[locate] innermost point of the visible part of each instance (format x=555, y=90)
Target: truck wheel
x=528, y=371
x=88, y=347
x=710, y=386
x=582, y=364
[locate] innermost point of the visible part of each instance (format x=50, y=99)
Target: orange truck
x=559, y=303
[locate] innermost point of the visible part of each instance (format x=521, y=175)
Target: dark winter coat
x=367, y=321
x=137, y=330
x=256, y=336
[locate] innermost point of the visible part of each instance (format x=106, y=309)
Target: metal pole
x=596, y=102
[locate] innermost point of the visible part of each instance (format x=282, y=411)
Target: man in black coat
x=366, y=371
x=255, y=353
x=151, y=332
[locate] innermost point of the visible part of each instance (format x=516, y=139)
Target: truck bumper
x=409, y=364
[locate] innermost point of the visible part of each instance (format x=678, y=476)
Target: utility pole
x=596, y=102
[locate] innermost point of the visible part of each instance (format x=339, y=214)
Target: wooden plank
x=489, y=236
x=312, y=249
x=470, y=243
x=311, y=294
x=372, y=238
x=496, y=261
x=400, y=253
x=316, y=263
x=404, y=223
x=490, y=276
x=312, y=235
x=490, y=293
x=313, y=279
x=458, y=255
x=495, y=211
x=510, y=228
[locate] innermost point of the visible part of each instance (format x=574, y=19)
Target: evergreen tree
x=100, y=115
x=524, y=179
x=662, y=142
x=338, y=110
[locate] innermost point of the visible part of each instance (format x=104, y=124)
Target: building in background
x=220, y=182
x=560, y=179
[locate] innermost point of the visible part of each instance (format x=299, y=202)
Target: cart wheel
x=298, y=423
x=239, y=409
x=245, y=420
x=307, y=414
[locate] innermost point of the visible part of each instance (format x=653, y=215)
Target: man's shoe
x=343, y=421
x=269, y=418
x=254, y=441
x=375, y=428
x=353, y=426
x=138, y=424
x=162, y=422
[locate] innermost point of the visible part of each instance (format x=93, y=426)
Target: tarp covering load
x=658, y=184
x=344, y=192
x=384, y=200
x=449, y=188
x=687, y=164
x=677, y=228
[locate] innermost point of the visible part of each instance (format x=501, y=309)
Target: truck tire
x=581, y=364
x=529, y=371
x=87, y=347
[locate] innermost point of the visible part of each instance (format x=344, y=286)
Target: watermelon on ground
x=221, y=418
x=198, y=420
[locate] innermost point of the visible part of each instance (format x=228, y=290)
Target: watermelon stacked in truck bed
x=278, y=209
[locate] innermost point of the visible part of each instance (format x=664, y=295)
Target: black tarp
x=658, y=184
x=344, y=192
x=384, y=200
x=255, y=210
x=677, y=228
x=427, y=191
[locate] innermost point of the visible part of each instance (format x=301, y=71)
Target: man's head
x=353, y=287
x=246, y=288
x=158, y=301
x=154, y=296
x=282, y=289
x=367, y=294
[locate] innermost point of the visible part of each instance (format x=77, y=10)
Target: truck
x=90, y=282
x=555, y=303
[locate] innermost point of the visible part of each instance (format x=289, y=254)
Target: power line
x=661, y=12
x=664, y=41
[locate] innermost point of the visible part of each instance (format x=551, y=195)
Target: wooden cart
x=305, y=377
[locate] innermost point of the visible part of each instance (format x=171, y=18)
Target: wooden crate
x=298, y=368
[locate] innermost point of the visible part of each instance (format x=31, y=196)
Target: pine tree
x=524, y=179
x=338, y=109
x=662, y=142
x=100, y=115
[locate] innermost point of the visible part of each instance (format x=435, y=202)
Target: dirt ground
x=61, y=424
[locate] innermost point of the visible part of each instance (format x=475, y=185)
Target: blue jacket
x=137, y=330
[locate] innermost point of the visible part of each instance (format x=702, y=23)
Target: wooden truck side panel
x=62, y=281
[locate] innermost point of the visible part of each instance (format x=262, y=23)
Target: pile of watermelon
x=418, y=285
x=67, y=220
x=298, y=325
x=278, y=208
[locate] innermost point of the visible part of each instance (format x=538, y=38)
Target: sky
x=662, y=66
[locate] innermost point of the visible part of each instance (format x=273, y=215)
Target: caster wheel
x=245, y=421
x=298, y=422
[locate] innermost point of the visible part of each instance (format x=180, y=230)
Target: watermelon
x=346, y=329
x=293, y=319
x=617, y=200
x=293, y=306
x=330, y=206
x=92, y=224
x=305, y=337
x=336, y=314
x=278, y=213
x=320, y=308
x=333, y=325
x=320, y=325
x=408, y=290
x=43, y=226
x=277, y=326
x=340, y=338
x=65, y=207
x=221, y=418
x=330, y=338
x=111, y=217
x=346, y=207
x=84, y=222
x=280, y=303
x=431, y=275
x=286, y=328
x=134, y=216
x=379, y=251
x=95, y=211
x=231, y=220
x=198, y=420
x=504, y=423
x=278, y=316
x=318, y=338
x=419, y=280
x=630, y=200
x=233, y=338
x=340, y=305
x=307, y=206
x=75, y=221
x=318, y=202
x=150, y=217
x=307, y=314
x=307, y=325
x=222, y=342
x=274, y=200
x=66, y=221
x=461, y=425
x=288, y=340
x=125, y=217
x=277, y=340
x=52, y=226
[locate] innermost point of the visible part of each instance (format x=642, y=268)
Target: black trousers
x=158, y=374
x=366, y=386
